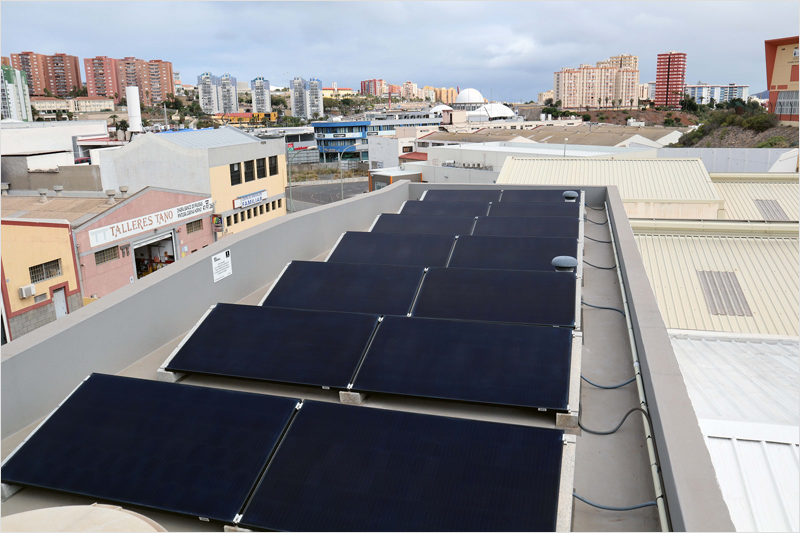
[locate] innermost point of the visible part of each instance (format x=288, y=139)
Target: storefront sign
x=290, y=147
x=250, y=199
x=106, y=234
x=216, y=223
x=221, y=265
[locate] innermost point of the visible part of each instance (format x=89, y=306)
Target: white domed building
x=469, y=100
x=437, y=110
x=491, y=112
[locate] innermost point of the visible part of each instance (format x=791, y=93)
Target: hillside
x=651, y=117
x=738, y=137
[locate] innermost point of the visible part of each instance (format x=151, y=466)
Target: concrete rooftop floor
x=612, y=470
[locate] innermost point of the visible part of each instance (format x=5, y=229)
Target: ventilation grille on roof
x=771, y=210
x=723, y=293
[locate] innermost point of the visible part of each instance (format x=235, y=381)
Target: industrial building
x=670, y=474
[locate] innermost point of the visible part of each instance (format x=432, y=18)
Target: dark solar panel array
x=345, y=468
x=190, y=450
x=536, y=209
x=511, y=296
x=430, y=224
x=462, y=195
x=511, y=253
x=469, y=361
x=373, y=289
x=528, y=226
x=470, y=209
x=320, y=348
x=551, y=195
x=403, y=249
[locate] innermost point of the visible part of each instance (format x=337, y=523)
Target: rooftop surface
x=208, y=138
x=599, y=134
x=776, y=200
x=612, y=469
x=70, y=209
x=637, y=179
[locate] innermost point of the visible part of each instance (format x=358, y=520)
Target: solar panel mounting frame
x=330, y=253
x=168, y=375
x=264, y=299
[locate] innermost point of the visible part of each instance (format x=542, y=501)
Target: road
x=327, y=193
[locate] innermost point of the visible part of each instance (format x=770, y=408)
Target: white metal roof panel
x=744, y=390
x=637, y=179
x=740, y=199
x=767, y=270
x=210, y=138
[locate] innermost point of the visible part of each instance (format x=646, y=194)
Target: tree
x=278, y=101
x=606, y=101
x=548, y=102
x=58, y=114
x=587, y=117
x=114, y=120
x=69, y=115
x=557, y=104
x=122, y=125
x=619, y=103
x=599, y=101
x=47, y=93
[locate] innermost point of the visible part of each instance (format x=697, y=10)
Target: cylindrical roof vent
x=111, y=193
x=58, y=189
x=564, y=263
x=570, y=196
x=42, y=196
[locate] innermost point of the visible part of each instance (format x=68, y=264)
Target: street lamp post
x=289, y=164
x=341, y=178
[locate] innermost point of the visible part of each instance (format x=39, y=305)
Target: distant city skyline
x=507, y=50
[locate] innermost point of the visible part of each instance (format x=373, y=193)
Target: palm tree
x=123, y=125
x=599, y=102
x=631, y=103
x=114, y=120
x=606, y=101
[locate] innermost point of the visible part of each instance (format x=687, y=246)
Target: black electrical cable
x=624, y=418
x=595, y=208
x=601, y=268
x=590, y=382
x=620, y=311
x=593, y=222
x=609, y=508
x=597, y=240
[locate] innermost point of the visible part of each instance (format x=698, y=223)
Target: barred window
x=273, y=165
x=104, y=256
x=48, y=270
x=249, y=174
x=236, y=173
x=261, y=167
x=197, y=225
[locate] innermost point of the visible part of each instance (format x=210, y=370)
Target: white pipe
x=662, y=511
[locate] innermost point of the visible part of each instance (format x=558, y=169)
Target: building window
x=104, y=256
x=236, y=173
x=39, y=298
x=249, y=214
x=267, y=207
x=273, y=205
x=407, y=149
x=228, y=220
x=279, y=204
x=249, y=173
x=236, y=218
x=273, y=165
x=261, y=208
x=48, y=270
x=787, y=103
x=261, y=168
x=197, y=225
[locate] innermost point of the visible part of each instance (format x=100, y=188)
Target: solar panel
x=374, y=289
x=191, y=450
x=511, y=296
x=536, y=209
x=319, y=348
x=347, y=468
x=535, y=195
x=472, y=209
x=470, y=361
x=393, y=249
x=430, y=224
x=528, y=226
x=511, y=253
x=462, y=195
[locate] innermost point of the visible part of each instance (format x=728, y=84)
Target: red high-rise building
x=153, y=78
x=102, y=79
x=33, y=65
x=670, y=79
x=58, y=73
x=373, y=87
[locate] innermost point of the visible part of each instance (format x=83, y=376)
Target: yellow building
x=245, y=175
x=40, y=280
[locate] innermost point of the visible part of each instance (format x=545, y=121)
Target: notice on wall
x=221, y=264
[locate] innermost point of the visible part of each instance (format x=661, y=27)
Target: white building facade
x=609, y=83
x=306, y=98
x=16, y=103
x=229, y=94
x=262, y=103
x=209, y=93
x=704, y=92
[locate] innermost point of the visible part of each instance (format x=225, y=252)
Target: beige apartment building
x=154, y=78
x=445, y=95
x=48, y=105
x=604, y=85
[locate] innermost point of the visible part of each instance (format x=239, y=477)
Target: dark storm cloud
x=508, y=50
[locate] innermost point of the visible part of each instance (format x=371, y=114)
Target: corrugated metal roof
x=637, y=179
x=766, y=269
x=740, y=199
x=210, y=138
x=745, y=394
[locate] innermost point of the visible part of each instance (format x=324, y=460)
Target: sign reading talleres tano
x=126, y=228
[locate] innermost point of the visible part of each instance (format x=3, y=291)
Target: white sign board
x=250, y=199
x=221, y=264
x=133, y=226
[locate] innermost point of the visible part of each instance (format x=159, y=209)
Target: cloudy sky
x=507, y=50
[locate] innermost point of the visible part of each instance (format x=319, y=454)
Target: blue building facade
x=350, y=138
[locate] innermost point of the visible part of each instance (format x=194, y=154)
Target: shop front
x=153, y=254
